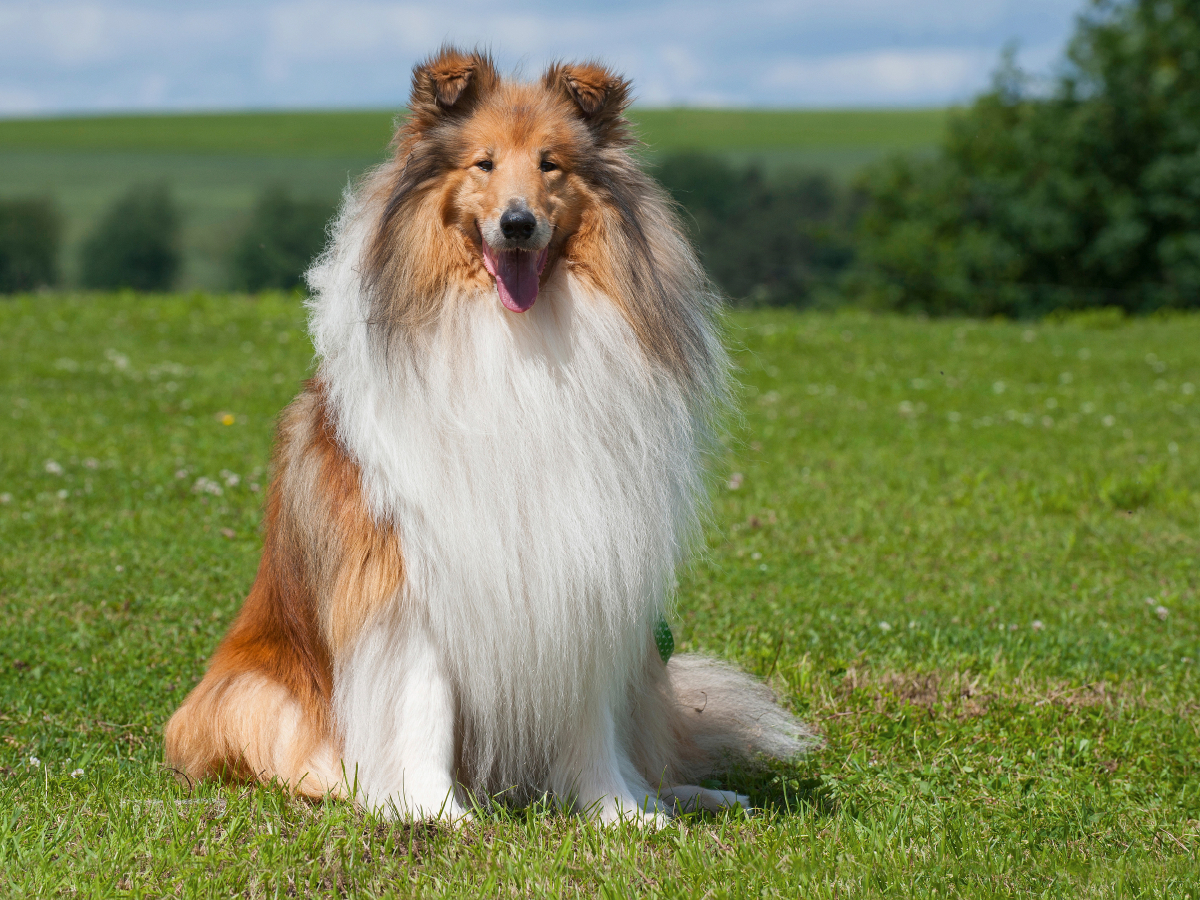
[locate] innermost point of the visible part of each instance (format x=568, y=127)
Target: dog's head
x=506, y=171
x=496, y=184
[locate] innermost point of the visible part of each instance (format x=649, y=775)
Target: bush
x=135, y=244
x=281, y=240
x=30, y=236
x=779, y=241
x=1083, y=195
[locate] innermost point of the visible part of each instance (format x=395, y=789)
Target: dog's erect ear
x=599, y=95
x=451, y=82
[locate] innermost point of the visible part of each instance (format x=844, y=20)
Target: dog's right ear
x=450, y=83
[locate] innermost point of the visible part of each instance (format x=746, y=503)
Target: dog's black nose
x=518, y=224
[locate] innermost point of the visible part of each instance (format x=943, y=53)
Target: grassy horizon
x=966, y=552
x=366, y=133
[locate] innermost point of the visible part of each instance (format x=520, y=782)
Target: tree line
x=137, y=243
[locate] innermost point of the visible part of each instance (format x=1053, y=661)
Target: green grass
x=966, y=552
x=218, y=163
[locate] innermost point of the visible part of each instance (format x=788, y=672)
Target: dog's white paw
x=409, y=808
x=650, y=815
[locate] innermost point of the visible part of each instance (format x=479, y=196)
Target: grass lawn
x=218, y=163
x=968, y=553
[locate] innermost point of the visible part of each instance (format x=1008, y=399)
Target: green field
x=218, y=163
x=968, y=553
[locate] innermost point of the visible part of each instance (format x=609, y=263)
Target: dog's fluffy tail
x=727, y=715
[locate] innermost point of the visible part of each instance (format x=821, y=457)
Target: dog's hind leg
x=248, y=726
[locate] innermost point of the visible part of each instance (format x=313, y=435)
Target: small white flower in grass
x=1172, y=448
x=1108, y=421
x=998, y=387
x=1088, y=408
x=906, y=408
x=1149, y=601
x=1187, y=388
x=1047, y=422
x=34, y=761
x=756, y=555
x=885, y=626
x=735, y=481
x=6, y=498
x=207, y=486
x=64, y=494
x=53, y=468
x=91, y=463
x=231, y=479
x=1013, y=627
x=1037, y=625
x=1162, y=612
x=181, y=474
x=77, y=773
x=954, y=417
x=1028, y=336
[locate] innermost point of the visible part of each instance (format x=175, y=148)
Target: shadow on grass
x=781, y=788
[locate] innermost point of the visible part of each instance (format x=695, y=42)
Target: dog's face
x=518, y=192
x=501, y=174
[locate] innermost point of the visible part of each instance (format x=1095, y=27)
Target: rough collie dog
x=480, y=500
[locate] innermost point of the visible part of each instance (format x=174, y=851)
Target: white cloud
x=88, y=54
x=884, y=76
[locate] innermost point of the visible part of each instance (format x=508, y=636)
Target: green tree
x=1085, y=194
x=777, y=241
x=136, y=242
x=281, y=240
x=30, y=236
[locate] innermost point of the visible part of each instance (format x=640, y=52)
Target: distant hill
x=366, y=133
x=216, y=164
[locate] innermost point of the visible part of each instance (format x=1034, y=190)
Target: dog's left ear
x=598, y=94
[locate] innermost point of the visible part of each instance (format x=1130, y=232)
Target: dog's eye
x=547, y=166
x=484, y=164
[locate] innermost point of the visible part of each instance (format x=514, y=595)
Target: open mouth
x=516, y=273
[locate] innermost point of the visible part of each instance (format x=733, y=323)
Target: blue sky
x=84, y=55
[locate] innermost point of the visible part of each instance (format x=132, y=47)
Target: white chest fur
x=544, y=481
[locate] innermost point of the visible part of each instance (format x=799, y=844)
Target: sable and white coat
x=477, y=511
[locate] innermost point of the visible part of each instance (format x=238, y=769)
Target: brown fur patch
x=263, y=708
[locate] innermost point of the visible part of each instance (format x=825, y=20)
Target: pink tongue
x=516, y=273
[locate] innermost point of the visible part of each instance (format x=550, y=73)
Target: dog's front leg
x=397, y=711
x=593, y=774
